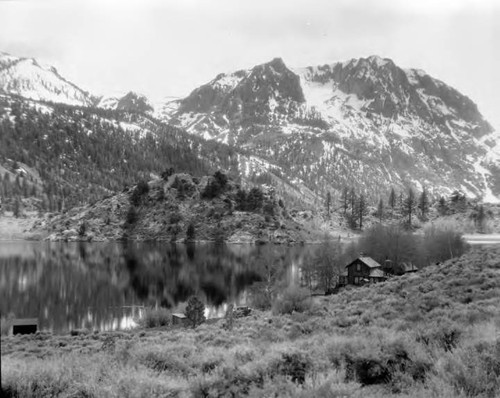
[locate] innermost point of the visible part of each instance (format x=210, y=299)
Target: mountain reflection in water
x=106, y=285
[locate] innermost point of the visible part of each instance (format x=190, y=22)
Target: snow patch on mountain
x=488, y=196
x=107, y=102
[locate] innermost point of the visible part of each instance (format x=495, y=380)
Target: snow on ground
x=130, y=127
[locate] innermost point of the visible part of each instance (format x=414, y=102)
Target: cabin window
x=358, y=267
x=356, y=280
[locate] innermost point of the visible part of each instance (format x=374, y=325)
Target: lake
x=106, y=285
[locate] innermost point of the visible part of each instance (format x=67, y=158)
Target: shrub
x=139, y=191
x=82, y=229
x=294, y=298
x=295, y=366
x=269, y=208
x=241, y=200
x=442, y=242
x=5, y=323
x=167, y=173
x=219, y=235
x=255, y=199
x=232, y=383
x=175, y=218
x=215, y=187
x=195, y=311
x=165, y=362
x=190, y=232
x=443, y=334
x=132, y=215
x=221, y=179
x=154, y=317
x=475, y=370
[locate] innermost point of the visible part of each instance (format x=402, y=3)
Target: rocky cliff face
x=365, y=123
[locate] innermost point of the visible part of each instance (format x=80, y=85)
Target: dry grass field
x=435, y=333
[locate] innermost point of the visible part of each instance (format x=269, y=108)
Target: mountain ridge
x=363, y=123
x=366, y=104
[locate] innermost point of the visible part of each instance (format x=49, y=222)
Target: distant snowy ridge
x=28, y=78
x=378, y=125
x=365, y=123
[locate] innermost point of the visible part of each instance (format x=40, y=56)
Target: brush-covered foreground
x=431, y=334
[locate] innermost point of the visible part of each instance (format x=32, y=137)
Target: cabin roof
x=24, y=321
x=370, y=262
x=376, y=273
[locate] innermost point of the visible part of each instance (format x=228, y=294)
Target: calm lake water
x=105, y=285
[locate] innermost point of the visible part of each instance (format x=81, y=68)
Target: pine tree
x=352, y=199
x=82, y=230
x=190, y=232
x=255, y=199
x=344, y=200
x=362, y=209
x=442, y=206
x=17, y=207
x=328, y=202
x=241, y=200
x=132, y=215
x=480, y=219
x=409, y=205
x=392, y=200
x=423, y=204
x=195, y=311
x=380, y=210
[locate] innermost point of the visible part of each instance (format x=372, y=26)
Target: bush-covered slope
x=431, y=334
x=182, y=207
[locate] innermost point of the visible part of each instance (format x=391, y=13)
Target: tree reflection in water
x=103, y=285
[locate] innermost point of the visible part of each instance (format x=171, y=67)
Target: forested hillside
x=61, y=156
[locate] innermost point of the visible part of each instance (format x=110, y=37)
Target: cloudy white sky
x=169, y=47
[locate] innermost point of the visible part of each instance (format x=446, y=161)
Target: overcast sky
x=167, y=48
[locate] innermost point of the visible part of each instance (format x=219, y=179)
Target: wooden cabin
x=24, y=325
x=362, y=270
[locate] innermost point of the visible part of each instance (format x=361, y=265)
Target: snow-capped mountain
x=365, y=123
x=130, y=102
x=28, y=78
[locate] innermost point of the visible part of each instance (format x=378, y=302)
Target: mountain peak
x=379, y=61
x=29, y=78
x=366, y=121
x=134, y=102
x=277, y=63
